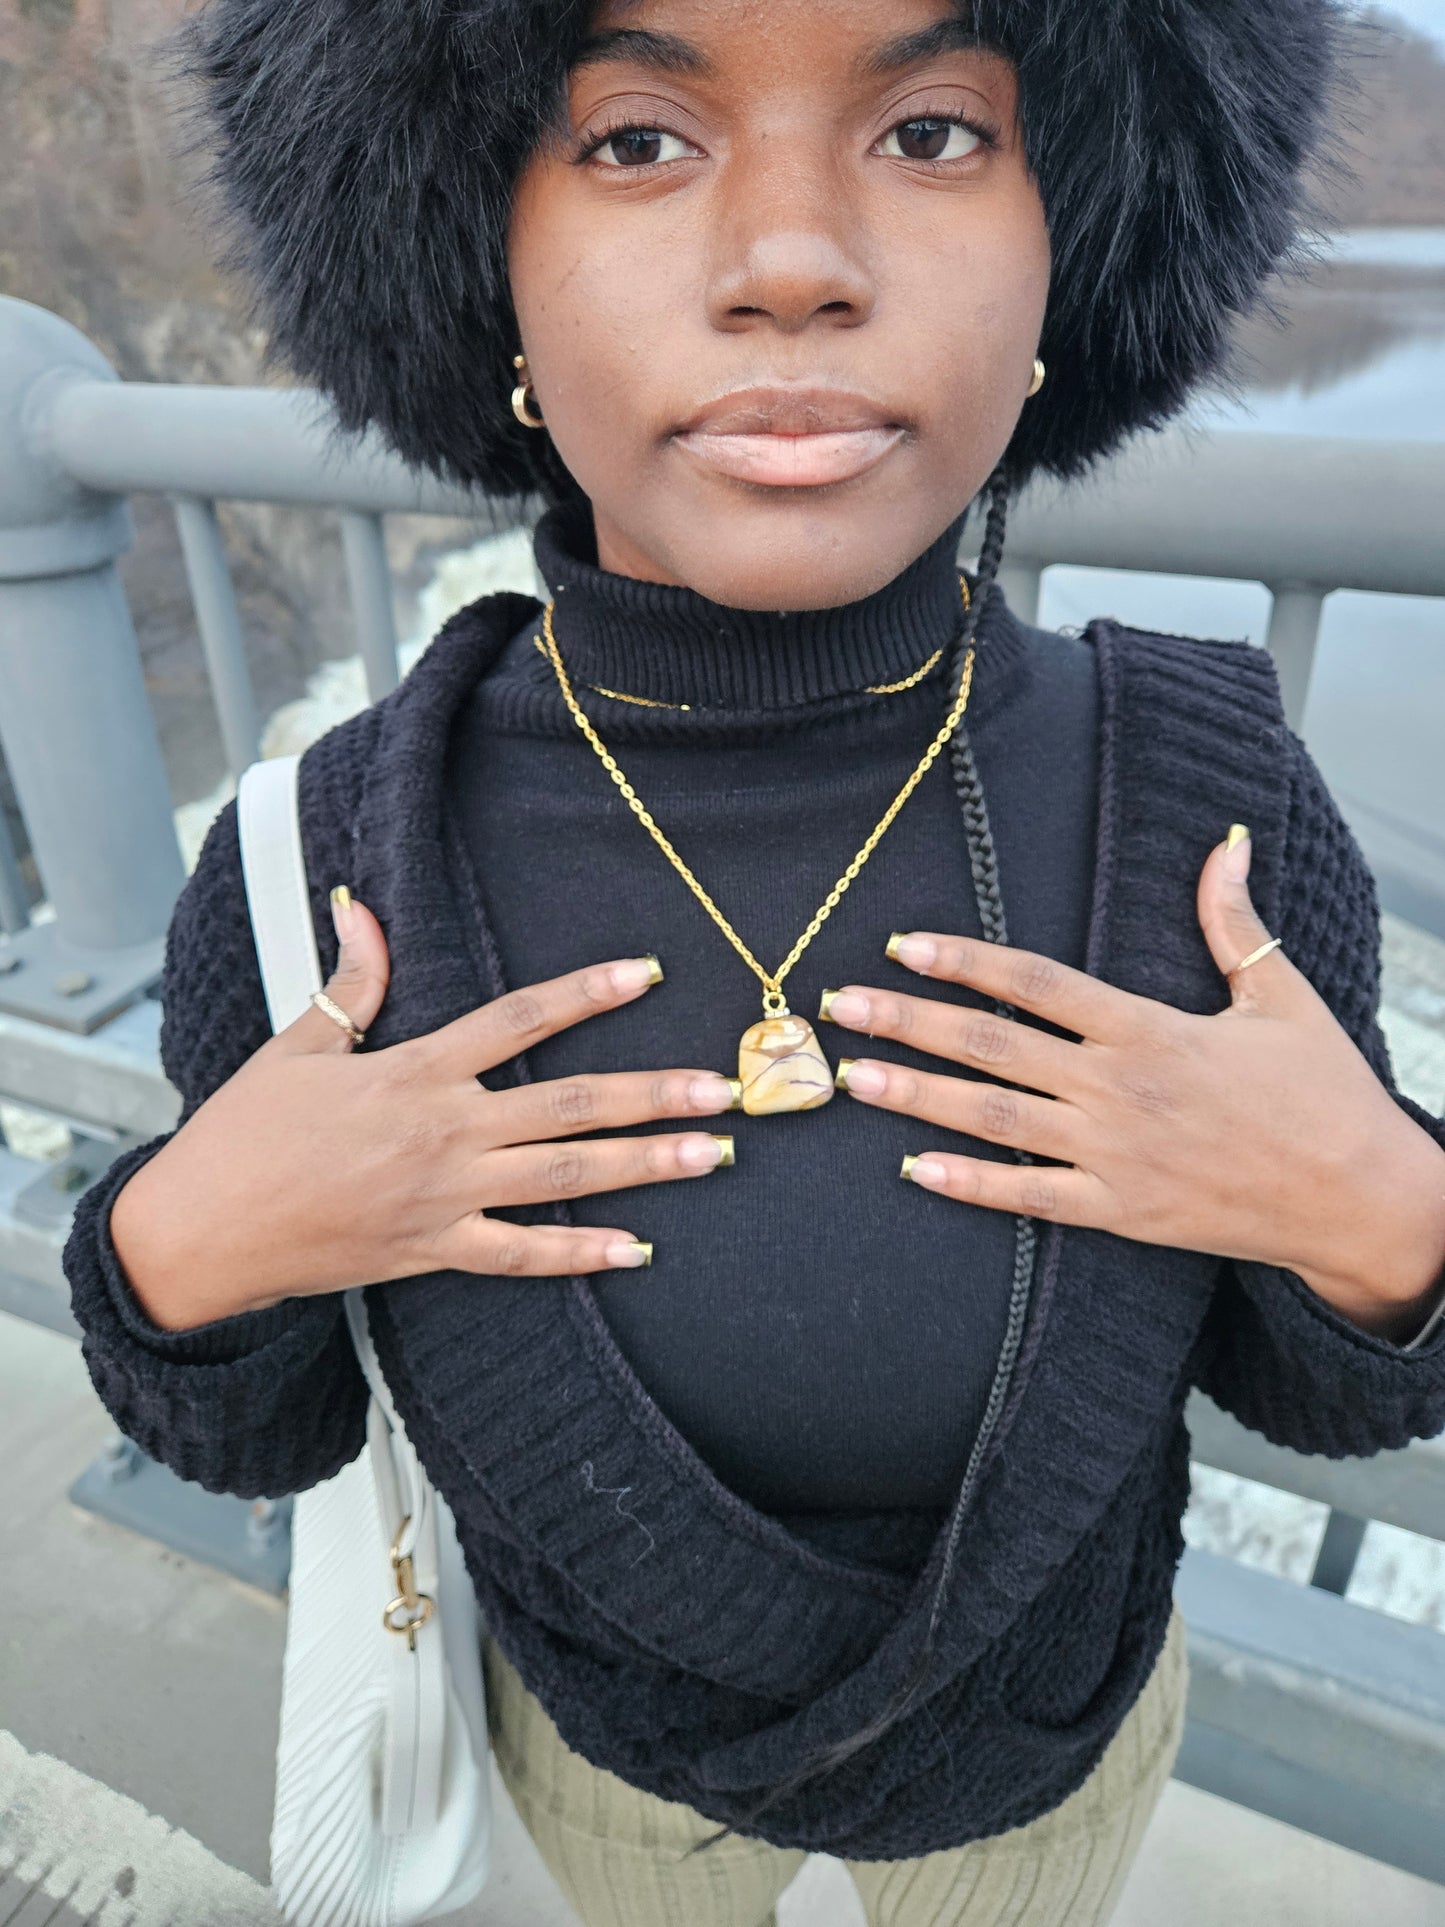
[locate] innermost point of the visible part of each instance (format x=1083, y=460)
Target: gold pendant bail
x=774, y=1003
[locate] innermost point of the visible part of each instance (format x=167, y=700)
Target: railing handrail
x=1236, y=504
x=277, y=445
x=1225, y=502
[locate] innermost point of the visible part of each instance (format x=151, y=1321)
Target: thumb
x=357, y=984
x=1231, y=925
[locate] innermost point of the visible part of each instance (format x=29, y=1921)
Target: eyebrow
x=944, y=36
x=665, y=52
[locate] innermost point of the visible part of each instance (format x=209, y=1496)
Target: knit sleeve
x=1276, y=1355
x=265, y=1402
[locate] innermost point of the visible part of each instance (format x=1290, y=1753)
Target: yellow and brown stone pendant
x=781, y=1065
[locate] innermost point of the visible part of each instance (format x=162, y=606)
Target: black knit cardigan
x=679, y=1637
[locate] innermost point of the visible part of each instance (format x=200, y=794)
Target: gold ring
x=1255, y=955
x=338, y=1016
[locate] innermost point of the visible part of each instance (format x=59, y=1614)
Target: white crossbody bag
x=383, y=1798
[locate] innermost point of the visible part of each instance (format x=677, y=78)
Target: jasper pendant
x=782, y=1067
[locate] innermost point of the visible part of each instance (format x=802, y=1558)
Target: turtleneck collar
x=674, y=646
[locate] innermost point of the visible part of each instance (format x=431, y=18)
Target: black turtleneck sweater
x=843, y=1364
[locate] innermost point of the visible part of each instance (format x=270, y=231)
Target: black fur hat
x=365, y=152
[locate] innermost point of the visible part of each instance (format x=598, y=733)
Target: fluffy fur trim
x=365, y=152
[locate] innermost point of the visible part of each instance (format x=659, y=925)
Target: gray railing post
x=14, y=899
x=1294, y=633
x=220, y=627
x=369, y=579
x=75, y=721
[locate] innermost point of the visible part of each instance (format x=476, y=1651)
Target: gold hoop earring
x=1038, y=381
x=523, y=399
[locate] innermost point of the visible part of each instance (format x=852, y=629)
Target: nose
x=789, y=251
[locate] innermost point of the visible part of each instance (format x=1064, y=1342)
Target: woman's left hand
x=1258, y=1133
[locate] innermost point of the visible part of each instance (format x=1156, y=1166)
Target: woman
x=851, y=1525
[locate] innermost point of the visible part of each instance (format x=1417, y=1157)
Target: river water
x=1364, y=356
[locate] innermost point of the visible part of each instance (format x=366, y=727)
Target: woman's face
x=780, y=286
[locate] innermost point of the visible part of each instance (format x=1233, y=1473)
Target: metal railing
x=1319, y=1712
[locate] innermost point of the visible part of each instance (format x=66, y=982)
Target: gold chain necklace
x=780, y=1062
x=649, y=702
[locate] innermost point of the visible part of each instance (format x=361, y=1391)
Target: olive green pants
x=616, y=1852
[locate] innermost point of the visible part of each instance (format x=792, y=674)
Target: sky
x=1425, y=16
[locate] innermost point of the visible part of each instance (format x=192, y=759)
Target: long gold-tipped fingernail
x=735, y=1085
x=908, y=1164
x=840, y=1076
x=656, y=977
x=1237, y=833
x=823, y=1002
x=626, y=1254
x=728, y=1154
x=890, y=949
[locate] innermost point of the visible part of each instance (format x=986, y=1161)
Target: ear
x=1232, y=927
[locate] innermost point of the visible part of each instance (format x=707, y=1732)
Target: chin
x=804, y=582
x=795, y=548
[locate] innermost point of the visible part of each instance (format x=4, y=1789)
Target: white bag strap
x=274, y=866
x=268, y=822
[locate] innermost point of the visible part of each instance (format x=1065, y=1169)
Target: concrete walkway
x=141, y=1693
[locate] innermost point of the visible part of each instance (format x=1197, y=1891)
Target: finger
x=564, y=1105
x=495, y=1031
x=358, y=983
x=1051, y=1127
x=964, y=1035
x=538, y=1173
x=1026, y=978
x=1232, y=927
x=493, y=1247
x=1062, y=1195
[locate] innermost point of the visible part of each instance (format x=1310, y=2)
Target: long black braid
x=966, y=779
x=990, y=902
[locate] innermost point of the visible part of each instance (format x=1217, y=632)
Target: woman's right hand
x=314, y=1168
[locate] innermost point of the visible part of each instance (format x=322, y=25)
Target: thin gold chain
x=773, y=1001
x=649, y=702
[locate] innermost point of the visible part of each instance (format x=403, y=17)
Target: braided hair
x=984, y=861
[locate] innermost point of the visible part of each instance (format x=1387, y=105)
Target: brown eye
x=640, y=147
x=929, y=140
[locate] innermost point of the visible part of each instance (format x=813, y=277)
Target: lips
x=791, y=437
